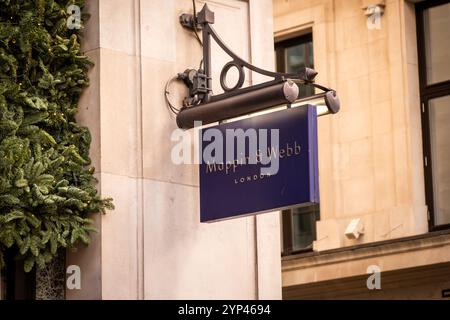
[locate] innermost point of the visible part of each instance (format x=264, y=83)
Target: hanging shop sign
x=270, y=161
x=266, y=163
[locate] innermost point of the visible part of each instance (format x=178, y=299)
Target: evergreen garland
x=46, y=184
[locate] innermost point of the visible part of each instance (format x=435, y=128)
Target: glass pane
x=298, y=57
x=310, y=55
x=306, y=91
x=303, y=229
x=295, y=58
x=437, y=43
x=440, y=154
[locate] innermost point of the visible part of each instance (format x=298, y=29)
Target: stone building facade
x=153, y=245
x=373, y=163
x=371, y=154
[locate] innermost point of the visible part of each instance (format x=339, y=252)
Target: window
x=298, y=224
x=294, y=54
x=299, y=229
x=433, y=34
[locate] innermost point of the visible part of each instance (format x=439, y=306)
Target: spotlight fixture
x=373, y=13
x=354, y=229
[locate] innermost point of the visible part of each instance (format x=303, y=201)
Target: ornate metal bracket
x=199, y=81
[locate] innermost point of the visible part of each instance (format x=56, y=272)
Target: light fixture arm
x=307, y=75
x=200, y=81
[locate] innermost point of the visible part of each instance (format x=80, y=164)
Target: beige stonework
x=153, y=245
x=370, y=152
x=420, y=263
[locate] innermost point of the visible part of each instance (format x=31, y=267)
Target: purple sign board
x=235, y=186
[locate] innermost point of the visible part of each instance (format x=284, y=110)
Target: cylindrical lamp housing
x=234, y=106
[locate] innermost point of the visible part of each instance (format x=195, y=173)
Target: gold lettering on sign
x=251, y=178
x=288, y=150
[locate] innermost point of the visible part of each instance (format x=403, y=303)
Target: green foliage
x=46, y=183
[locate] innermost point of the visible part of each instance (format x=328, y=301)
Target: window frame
x=287, y=225
x=284, y=44
x=427, y=93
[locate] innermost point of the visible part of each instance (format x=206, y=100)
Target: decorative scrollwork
x=204, y=21
x=223, y=76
